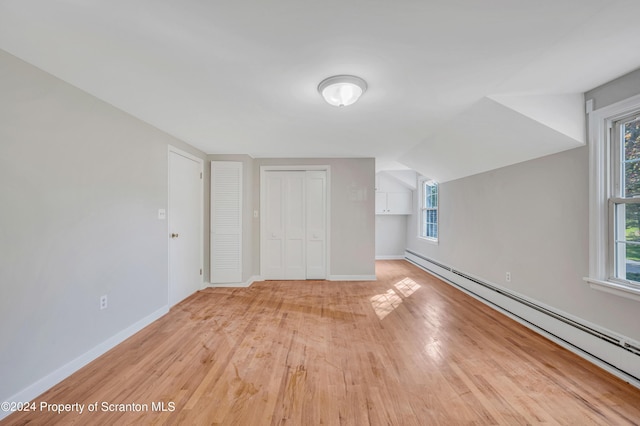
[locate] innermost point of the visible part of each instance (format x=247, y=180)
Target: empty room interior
x=252, y=213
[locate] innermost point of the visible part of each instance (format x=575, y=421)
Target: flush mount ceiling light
x=342, y=90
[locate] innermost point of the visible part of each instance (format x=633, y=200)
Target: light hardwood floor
x=407, y=349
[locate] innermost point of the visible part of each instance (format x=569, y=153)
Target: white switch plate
x=255, y=214
x=162, y=214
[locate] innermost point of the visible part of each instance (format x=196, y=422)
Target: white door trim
x=304, y=168
x=200, y=161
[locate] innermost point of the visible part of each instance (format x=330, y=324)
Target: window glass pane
x=632, y=223
x=431, y=195
x=627, y=242
x=431, y=223
x=629, y=267
x=631, y=162
x=425, y=195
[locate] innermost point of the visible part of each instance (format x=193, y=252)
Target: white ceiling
x=241, y=76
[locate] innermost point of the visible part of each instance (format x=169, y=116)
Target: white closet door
x=316, y=206
x=272, y=252
x=295, y=229
x=226, y=222
x=294, y=225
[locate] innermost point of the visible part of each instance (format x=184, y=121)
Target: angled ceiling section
x=406, y=178
x=489, y=135
x=563, y=113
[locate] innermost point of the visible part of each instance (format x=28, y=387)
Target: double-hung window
x=614, y=207
x=429, y=210
x=624, y=203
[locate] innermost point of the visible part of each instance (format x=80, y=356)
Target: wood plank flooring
x=406, y=349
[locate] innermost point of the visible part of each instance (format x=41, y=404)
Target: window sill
x=614, y=288
x=428, y=240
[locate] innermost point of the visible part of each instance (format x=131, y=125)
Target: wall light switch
x=255, y=214
x=162, y=214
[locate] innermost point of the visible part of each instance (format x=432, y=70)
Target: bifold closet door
x=294, y=238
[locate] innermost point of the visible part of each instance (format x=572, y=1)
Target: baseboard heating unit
x=615, y=353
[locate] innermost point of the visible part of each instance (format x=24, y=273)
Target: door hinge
x=200, y=271
x=200, y=175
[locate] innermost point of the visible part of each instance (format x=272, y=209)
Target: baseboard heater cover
x=485, y=290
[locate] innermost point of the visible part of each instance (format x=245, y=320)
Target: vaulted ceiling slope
x=456, y=87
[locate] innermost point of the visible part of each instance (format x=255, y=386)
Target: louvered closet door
x=226, y=222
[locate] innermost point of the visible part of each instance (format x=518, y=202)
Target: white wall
x=616, y=90
x=531, y=219
x=352, y=236
x=391, y=236
x=80, y=187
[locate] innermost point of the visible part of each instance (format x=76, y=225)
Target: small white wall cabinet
x=393, y=202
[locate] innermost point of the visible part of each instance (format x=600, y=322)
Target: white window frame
x=422, y=208
x=601, y=121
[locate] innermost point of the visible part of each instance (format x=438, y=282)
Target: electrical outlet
x=508, y=277
x=103, y=302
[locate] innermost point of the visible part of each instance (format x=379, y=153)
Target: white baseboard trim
x=329, y=278
x=55, y=377
x=244, y=284
x=575, y=334
x=395, y=257
x=351, y=278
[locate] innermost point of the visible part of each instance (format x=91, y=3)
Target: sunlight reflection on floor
x=407, y=286
x=384, y=304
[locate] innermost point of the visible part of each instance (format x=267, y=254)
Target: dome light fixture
x=342, y=90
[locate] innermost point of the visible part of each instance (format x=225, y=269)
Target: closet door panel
x=316, y=226
x=294, y=219
x=226, y=222
x=273, y=237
